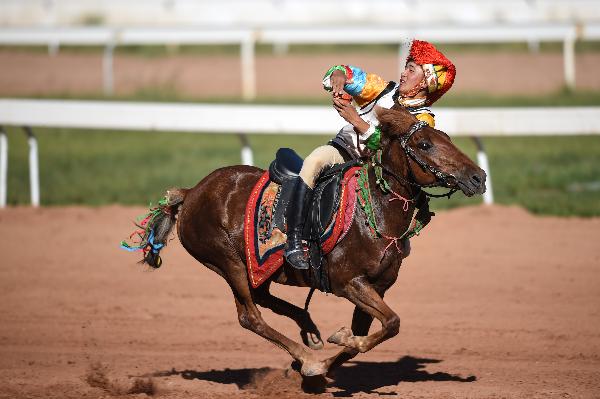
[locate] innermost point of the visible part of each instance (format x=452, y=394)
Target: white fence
x=248, y=38
x=293, y=12
x=268, y=119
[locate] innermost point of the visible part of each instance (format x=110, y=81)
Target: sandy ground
x=494, y=302
x=25, y=73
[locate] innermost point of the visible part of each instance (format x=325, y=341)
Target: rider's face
x=411, y=77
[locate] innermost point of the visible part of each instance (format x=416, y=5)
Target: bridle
x=443, y=179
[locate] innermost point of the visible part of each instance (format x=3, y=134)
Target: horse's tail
x=155, y=227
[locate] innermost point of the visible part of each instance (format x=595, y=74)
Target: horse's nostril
x=476, y=179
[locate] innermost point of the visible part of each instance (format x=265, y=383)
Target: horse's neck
x=391, y=207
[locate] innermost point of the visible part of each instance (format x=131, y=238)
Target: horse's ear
x=396, y=120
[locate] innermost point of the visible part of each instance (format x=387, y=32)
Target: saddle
x=325, y=197
x=330, y=214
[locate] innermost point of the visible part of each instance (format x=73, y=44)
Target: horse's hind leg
x=308, y=330
x=250, y=318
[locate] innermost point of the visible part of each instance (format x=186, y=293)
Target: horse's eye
x=424, y=145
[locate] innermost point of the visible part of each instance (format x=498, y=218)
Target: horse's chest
x=387, y=268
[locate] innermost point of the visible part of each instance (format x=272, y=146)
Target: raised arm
x=362, y=86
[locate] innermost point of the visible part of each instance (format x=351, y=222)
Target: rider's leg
x=298, y=207
x=296, y=213
x=316, y=161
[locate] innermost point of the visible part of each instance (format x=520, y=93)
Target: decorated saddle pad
x=265, y=241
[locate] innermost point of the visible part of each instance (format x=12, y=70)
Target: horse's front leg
x=367, y=299
x=361, y=322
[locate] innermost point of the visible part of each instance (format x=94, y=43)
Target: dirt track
x=501, y=73
x=494, y=302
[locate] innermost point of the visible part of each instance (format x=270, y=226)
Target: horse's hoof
x=340, y=337
x=313, y=368
x=312, y=340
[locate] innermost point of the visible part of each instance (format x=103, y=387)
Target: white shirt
x=349, y=136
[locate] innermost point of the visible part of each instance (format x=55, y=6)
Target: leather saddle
x=323, y=205
x=325, y=199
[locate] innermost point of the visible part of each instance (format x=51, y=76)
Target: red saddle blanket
x=265, y=246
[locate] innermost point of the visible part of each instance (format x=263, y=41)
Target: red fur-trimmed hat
x=439, y=71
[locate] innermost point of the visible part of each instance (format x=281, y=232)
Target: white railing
x=269, y=119
x=293, y=12
x=280, y=37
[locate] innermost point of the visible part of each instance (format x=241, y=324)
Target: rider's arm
x=362, y=86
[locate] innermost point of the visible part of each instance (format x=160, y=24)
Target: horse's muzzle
x=472, y=182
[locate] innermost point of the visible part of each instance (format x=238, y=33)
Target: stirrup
x=297, y=259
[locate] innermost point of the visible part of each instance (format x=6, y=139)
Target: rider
x=427, y=76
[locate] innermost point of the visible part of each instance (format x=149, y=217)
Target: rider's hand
x=338, y=80
x=350, y=115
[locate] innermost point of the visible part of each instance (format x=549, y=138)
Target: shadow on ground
x=240, y=377
x=367, y=377
x=353, y=377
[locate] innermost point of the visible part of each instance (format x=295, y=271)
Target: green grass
x=101, y=167
x=547, y=175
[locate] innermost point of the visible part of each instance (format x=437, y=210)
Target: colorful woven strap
x=365, y=200
x=366, y=203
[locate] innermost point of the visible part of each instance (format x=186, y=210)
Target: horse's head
x=432, y=158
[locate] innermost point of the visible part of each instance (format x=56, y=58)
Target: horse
x=362, y=267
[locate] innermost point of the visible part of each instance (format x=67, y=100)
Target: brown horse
x=210, y=225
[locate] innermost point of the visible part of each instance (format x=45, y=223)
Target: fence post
x=108, y=69
x=34, y=168
x=482, y=160
x=247, y=155
x=569, y=59
x=3, y=167
x=248, y=70
x=53, y=48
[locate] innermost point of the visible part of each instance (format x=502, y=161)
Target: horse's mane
x=395, y=120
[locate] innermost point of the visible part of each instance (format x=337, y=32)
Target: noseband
x=442, y=179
